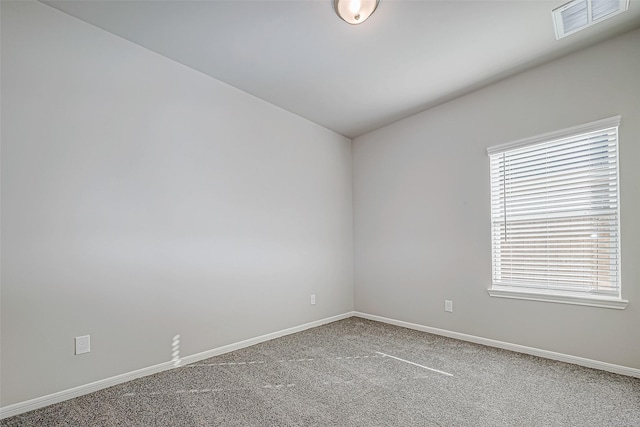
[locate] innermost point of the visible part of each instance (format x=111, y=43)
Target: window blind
x=555, y=214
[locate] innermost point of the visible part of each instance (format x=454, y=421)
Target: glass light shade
x=355, y=11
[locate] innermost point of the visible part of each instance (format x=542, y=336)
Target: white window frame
x=556, y=295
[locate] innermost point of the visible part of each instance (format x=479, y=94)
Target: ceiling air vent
x=579, y=14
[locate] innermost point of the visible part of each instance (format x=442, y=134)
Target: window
x=555, y=227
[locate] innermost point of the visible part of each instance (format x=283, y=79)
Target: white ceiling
x=298, y=55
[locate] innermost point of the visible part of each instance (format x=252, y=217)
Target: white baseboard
x=252, y=341
x=50, y=399
x=39, y=402
x=589, y=363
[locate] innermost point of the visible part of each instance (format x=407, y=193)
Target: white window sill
x=563, y=298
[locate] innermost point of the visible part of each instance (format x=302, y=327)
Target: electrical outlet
x=448, y=306
x=313, y=300
x=83, y=344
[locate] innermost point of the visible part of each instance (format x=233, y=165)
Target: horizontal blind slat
x=554, y=213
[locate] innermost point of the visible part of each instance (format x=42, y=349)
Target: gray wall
x=421, y=204
x=142, y=199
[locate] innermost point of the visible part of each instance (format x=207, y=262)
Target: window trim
x=559, y=134
x=557, y=296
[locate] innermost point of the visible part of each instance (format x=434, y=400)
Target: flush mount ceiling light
x=579, y=14
x=355, y=11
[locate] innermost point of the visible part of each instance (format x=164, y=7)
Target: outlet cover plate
x=448, y=306
x=83, y=344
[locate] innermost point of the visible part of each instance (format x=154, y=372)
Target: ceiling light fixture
x=355, y=11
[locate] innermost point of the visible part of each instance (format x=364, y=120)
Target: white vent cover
x=579, y=14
